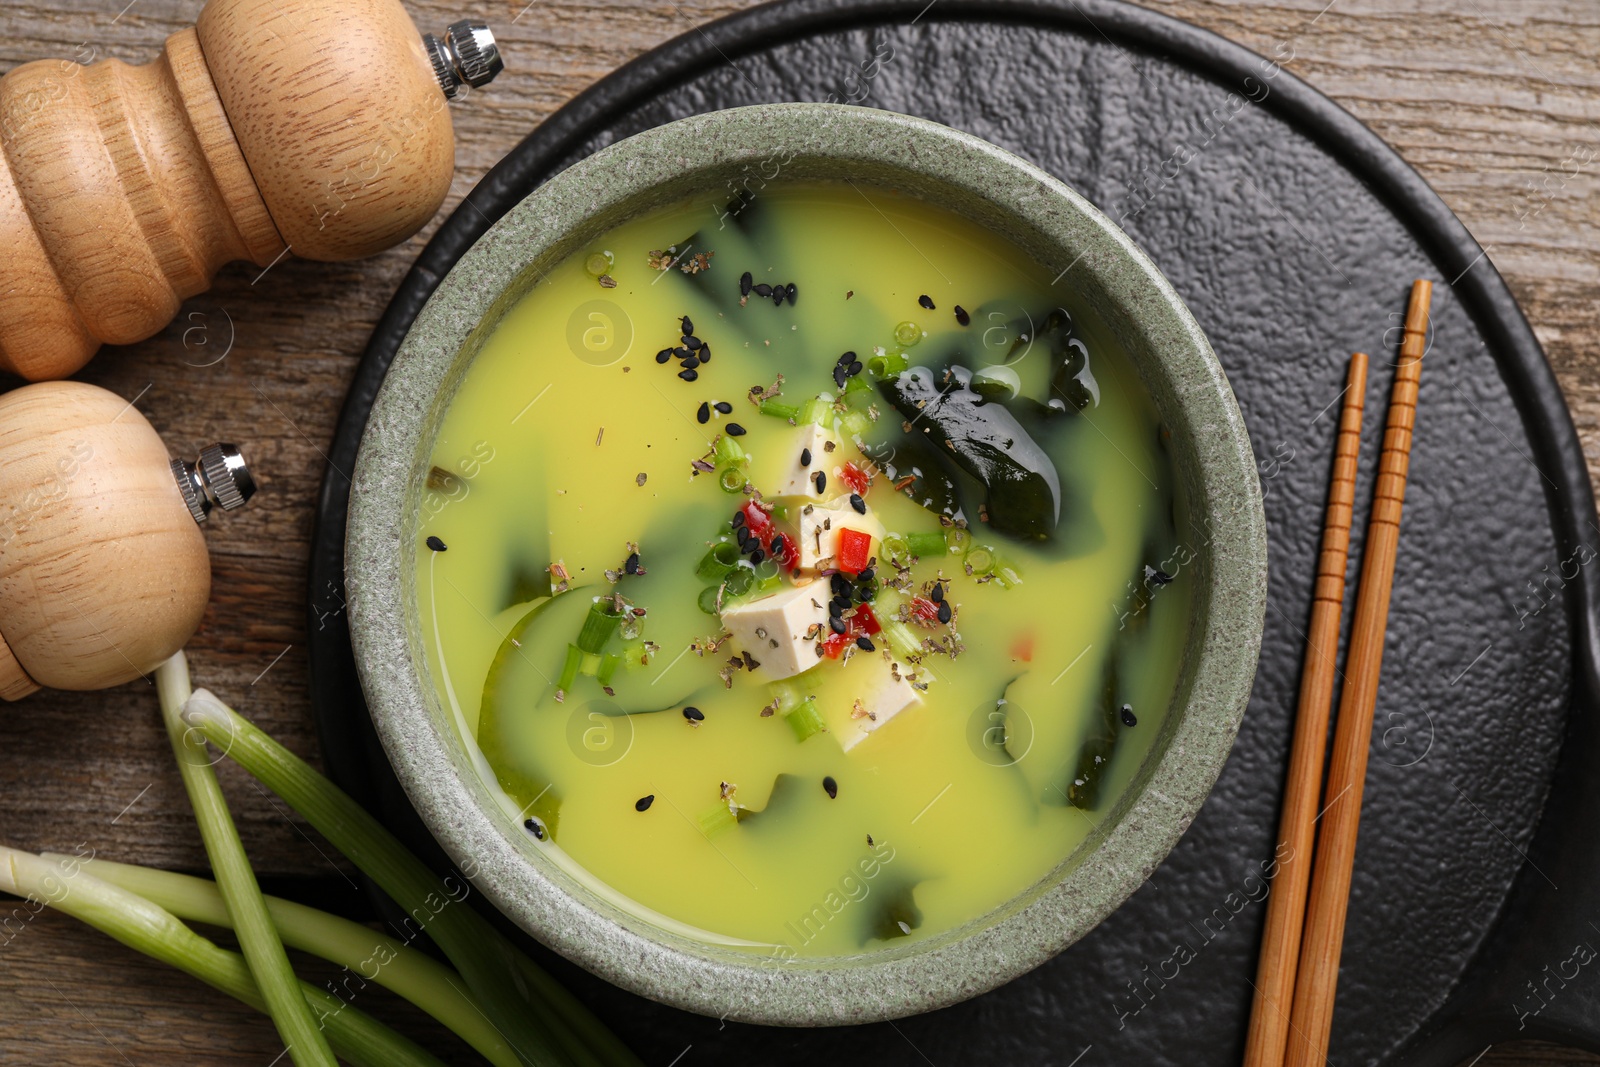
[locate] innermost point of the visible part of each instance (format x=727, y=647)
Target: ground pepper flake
x=640, y=480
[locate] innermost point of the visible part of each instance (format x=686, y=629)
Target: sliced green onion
x=739, y=580
x=719, y=559
x=887, y=364
x=817, y=410
x=857, y=393
x=788, y=693
x=708, y=599
x=608, y=668
x=957, y=540
x=778, y=409
x=728, y=452
x=731, y=479
x=806, y=720
x=402, y=970
x=634, y=653
x=981, y=559
x=900, y=638
x=895, y=546
x=590, y=665
x=1007, y=575
x=136, y=922
x=715, y=820
x=907, y=334
x=569, y=670
x=923, y=545
x=599, y=626
x=258, y=938
x=767, y=568
x=856, y=422
x=489, y=966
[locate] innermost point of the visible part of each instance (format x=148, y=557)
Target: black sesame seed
x=938, y=592
x=436, y=545
x=689, y=375
x=1128, y=718
x=839, y=584
x=830, y=787
x=643, y=803
x=689, y=341
x=694, y=714
x=839, y=375
x=704, y=352
x=744, y=283
x=734, y=430
x=805, y=457
x=846, y=359
x=790, y=293
x=855, y=368
x=722, y=405
x=821, y=480
x=777, y=296
x=857, y=503
x=834, y=610
x=926, y=301
x=756, y=555
x=681, y=353
x=704, y=412
x=738, y=517
x=837, y=625
x=776, y=547
x=962, y=317
x=864, y=643
x=687, y=324
x=745, y=538
x=867, y=575
x=534, y=827
x=691, y=363
x=944, y=612
x=762, y=290
x=663, y=355
x=632, y=565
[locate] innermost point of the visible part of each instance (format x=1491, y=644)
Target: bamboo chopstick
x=1286, y=904
x=1318, y=973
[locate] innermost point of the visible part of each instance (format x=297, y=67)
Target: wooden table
x=1492, y=100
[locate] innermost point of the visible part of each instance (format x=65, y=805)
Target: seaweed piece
x=894, y=912
x=934, y=485
x=1023, y=490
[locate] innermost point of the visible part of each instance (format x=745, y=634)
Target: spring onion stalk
x=569, y=669
x=778, y=409
x=788, y=694
x=715, y=820
x=895, y=547
x=806, y=720
x=981, y=559
x=728, y=452
x=718, y=561
x=857, y=393
x=489, y=966
x=886, y=364
x=634, y=654
x=856, y=422
x=957, y=540
x=739, y=580
x=258, y=938
x=927, y=544
x=818, y=411
x=599, y=625
x=372, y=956
x=144, y=927
x=900, y=638
x=608, y=668
x=708, y=599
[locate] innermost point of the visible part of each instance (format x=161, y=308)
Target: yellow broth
x=567, y=440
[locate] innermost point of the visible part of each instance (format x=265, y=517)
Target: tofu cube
x=781, y=476
x=870, y=679
x=773, y=628
x=818, y=527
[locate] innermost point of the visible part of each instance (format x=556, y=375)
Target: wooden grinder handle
x=312, y=126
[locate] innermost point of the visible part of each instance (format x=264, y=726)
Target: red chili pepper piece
x=855, y=549
x=866, y=619
x=924, y=611
x=834, y=644
x=856, y=478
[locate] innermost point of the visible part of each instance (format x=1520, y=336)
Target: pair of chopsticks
x=1292, y=1011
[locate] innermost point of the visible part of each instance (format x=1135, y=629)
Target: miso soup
x=804, y=567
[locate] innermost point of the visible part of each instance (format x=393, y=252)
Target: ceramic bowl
x=1135, y=305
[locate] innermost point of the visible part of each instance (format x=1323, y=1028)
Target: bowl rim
x=1177, y=364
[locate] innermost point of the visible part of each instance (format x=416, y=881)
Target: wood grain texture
x=1493, y=101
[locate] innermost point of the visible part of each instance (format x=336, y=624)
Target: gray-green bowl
x=1136, y=306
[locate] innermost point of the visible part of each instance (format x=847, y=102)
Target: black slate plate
x=1292, y=232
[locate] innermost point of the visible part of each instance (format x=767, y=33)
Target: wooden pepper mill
x=103, y=571
x=317, y=127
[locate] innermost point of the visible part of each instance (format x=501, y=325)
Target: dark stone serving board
x=1293, y=233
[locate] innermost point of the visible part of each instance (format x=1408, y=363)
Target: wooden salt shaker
x=316, y=127
x=103, y=570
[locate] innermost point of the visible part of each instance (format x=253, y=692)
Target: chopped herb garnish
x=830, y=787
x=436, y=545
x=607, y=282
x=926, y=301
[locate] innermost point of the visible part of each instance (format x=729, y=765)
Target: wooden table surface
x=1494, y=101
